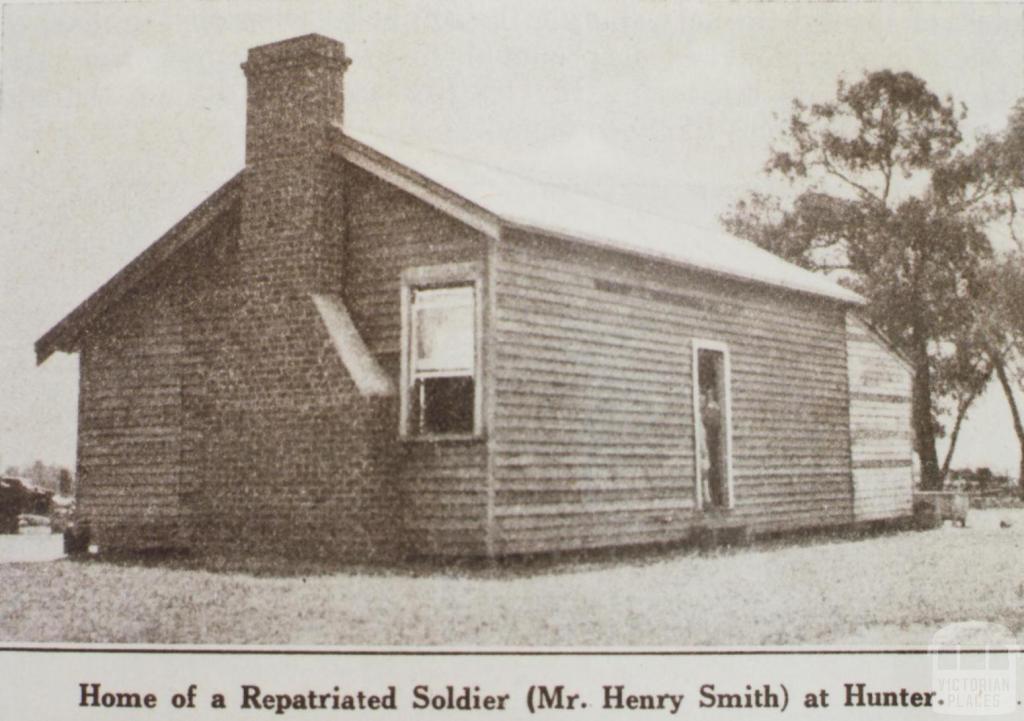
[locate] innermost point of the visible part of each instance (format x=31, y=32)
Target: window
x=440, y=354
x=712, y=425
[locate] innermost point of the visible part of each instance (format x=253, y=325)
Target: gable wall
x=880, y=429
x=130, y=424
x=142, y=367
x=593, y=435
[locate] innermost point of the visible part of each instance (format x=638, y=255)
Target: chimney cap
x=303, y=50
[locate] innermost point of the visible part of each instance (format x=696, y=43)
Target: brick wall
x=290, y=451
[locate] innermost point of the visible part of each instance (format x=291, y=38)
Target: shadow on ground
x=519, y=566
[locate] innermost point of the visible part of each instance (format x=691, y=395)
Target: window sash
x=454, y=288
x=453, y=310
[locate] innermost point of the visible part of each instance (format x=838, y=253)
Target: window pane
x=443, y=405
x=444, y=321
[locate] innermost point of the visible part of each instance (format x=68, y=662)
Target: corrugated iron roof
x=539, y=206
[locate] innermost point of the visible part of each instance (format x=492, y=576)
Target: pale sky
x=117, y=119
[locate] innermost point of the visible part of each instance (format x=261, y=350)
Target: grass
x=895, y=588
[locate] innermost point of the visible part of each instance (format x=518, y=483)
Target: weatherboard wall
x=593, y=421
x=130, y=427
x=443, y=483
x=880, y=429
x=147, y=399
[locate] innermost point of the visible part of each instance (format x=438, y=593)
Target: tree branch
x=1004, y=381
x=1012, y=217
x=832, y=170
x=961, y=414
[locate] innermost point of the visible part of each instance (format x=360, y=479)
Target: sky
x=116, y=119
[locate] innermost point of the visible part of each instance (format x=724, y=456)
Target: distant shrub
x=979, y=480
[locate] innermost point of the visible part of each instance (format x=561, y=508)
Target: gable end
x=64, y=336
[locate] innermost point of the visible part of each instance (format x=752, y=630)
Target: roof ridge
x=539, y=205
x=420, y=147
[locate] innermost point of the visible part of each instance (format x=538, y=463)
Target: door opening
x=712, y=424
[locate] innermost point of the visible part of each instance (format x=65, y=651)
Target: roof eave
x=842, y=295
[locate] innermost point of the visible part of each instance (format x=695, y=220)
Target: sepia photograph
x=579, y=324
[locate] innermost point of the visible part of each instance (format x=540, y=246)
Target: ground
x=895, y=588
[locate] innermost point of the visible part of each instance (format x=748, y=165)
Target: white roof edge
x=362, y=366
x=840, y=294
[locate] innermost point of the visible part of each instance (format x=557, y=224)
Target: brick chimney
x=295, y=91
x=289, y=441
x=292, y=214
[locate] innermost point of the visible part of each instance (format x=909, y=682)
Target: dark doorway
x=712, y=428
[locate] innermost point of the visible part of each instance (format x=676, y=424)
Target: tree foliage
x=999, y=323
x=887, y=202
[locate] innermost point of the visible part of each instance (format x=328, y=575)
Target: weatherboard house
x=364, y=350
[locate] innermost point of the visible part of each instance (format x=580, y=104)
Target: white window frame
x=439, y=276
x=700, y=344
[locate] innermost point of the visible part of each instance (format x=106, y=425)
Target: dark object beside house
x=62, y=511
x=12, y=498
x=932, y=508
x=359, y=349
x=76, y=538
x=17, y=497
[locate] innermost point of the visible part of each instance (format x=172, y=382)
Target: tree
x=1002, y=320
x=1001, y=160
x=988, y=183
x=962, y=376
x=37, y=473
x=868, y=210
x=65, y=482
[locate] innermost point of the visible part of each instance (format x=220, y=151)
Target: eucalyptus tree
x=865, y=169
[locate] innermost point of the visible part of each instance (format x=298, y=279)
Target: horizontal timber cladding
x=882, y=446
x=388, y=232
x=131, y=434
x=443, y=484
x=142, y=399
x=592, y=434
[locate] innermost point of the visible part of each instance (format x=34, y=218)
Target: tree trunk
x=924, y=424
x=1018, y=427
x=961, y=413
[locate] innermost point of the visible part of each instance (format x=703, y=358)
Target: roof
x=496, y=196
x=487, y=199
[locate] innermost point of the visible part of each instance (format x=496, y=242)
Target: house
x=362, y=350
